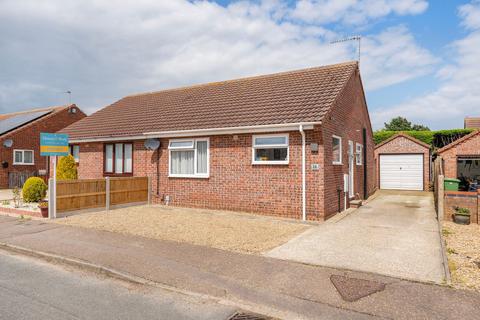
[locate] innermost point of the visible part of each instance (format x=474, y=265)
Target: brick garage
x=466, y=148
x=396, y=147
x=323, y=102
x=26, y=136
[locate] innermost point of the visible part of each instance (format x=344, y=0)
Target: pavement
x=6, y=194
x=31, y=289
x=284, y=289
x=395, y=234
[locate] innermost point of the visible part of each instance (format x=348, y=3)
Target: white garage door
x=401, y=172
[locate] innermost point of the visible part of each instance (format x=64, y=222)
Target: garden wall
x=469, y=200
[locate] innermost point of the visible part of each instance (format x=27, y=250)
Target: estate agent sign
x=53, y=144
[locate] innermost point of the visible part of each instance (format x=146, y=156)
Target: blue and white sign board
x=54, y=144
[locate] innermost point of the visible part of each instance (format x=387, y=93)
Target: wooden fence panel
x=128, y=190
x=91, y=193
x=80, y=194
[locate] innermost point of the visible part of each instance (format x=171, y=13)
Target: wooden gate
x=17, y=179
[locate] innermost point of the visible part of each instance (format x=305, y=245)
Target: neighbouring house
x=20, y=141
x=276, y=144
x=472, y=123
x=403, y=163
x=461, y=159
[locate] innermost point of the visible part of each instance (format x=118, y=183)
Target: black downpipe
x=365, y=169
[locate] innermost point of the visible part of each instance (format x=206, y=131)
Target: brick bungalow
x=461, y=159
x=20, y=141
x=276, y=144
x=403, y=163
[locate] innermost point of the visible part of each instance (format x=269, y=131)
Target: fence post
x=441, y=197
x=51, y=199
x=149, y=179
x=107, y=193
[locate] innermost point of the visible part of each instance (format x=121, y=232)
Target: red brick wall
x=234, y=183
x=347, y=120
x=402, y=145
x=28, y=137
x=469, y=147
x=469, y=200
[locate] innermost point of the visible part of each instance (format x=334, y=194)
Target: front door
x=351, y=166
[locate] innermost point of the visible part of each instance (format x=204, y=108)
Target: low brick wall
x=469, y=200
x=20, y=212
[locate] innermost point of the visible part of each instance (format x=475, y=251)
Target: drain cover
x=352, y=289
x=248, y=316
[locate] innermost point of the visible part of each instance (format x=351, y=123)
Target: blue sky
x=419, y=57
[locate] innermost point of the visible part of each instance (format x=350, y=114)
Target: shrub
x=462, y=211
x=424, y=136
x=34, y=189
x=66, y=168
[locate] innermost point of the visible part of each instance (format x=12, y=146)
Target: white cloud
x=470, y=13
x=392, y=57
x=459, y=94
x=103, y=50
x=354, y=11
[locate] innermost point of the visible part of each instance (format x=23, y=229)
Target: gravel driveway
x=395, y=234
x=238, y=232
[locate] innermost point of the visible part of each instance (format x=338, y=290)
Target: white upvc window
x=336, y=150
x=270, y=149
x=23, y=157
x=189, y=158
x=359, y=154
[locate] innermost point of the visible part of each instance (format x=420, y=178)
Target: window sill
x=110, y=174
x=270, y=163
x=189, y=176
x=337, y=163
x=23, y=164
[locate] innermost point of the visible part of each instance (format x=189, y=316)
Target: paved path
x=285, y=289
x=30, y=289
x=395, y=234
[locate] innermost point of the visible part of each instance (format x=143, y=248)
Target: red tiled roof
x=472, y=123
x=404, y=135
x=282, y=98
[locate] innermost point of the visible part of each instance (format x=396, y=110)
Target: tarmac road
x=31, y=289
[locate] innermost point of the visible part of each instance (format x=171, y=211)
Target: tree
x=420, y=127
x=67, y=168
x=402, y=124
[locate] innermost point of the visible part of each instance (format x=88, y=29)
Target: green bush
x=34, y=189
x=66, y=168
x=424, y=136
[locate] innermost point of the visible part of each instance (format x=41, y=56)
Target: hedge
x=436, y=139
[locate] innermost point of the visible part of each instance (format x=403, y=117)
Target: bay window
x=189, y=158
x=270, y=149
x=118, y=158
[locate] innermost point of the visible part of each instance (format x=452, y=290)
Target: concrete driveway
x=395, y=234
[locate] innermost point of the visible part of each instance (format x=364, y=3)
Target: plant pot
x=44, y=212
x=461, y=219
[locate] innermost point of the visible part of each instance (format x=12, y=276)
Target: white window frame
x=23, y=157
x=340, y=162
x=194, y=148
x=271, y=146
x=358, y=152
